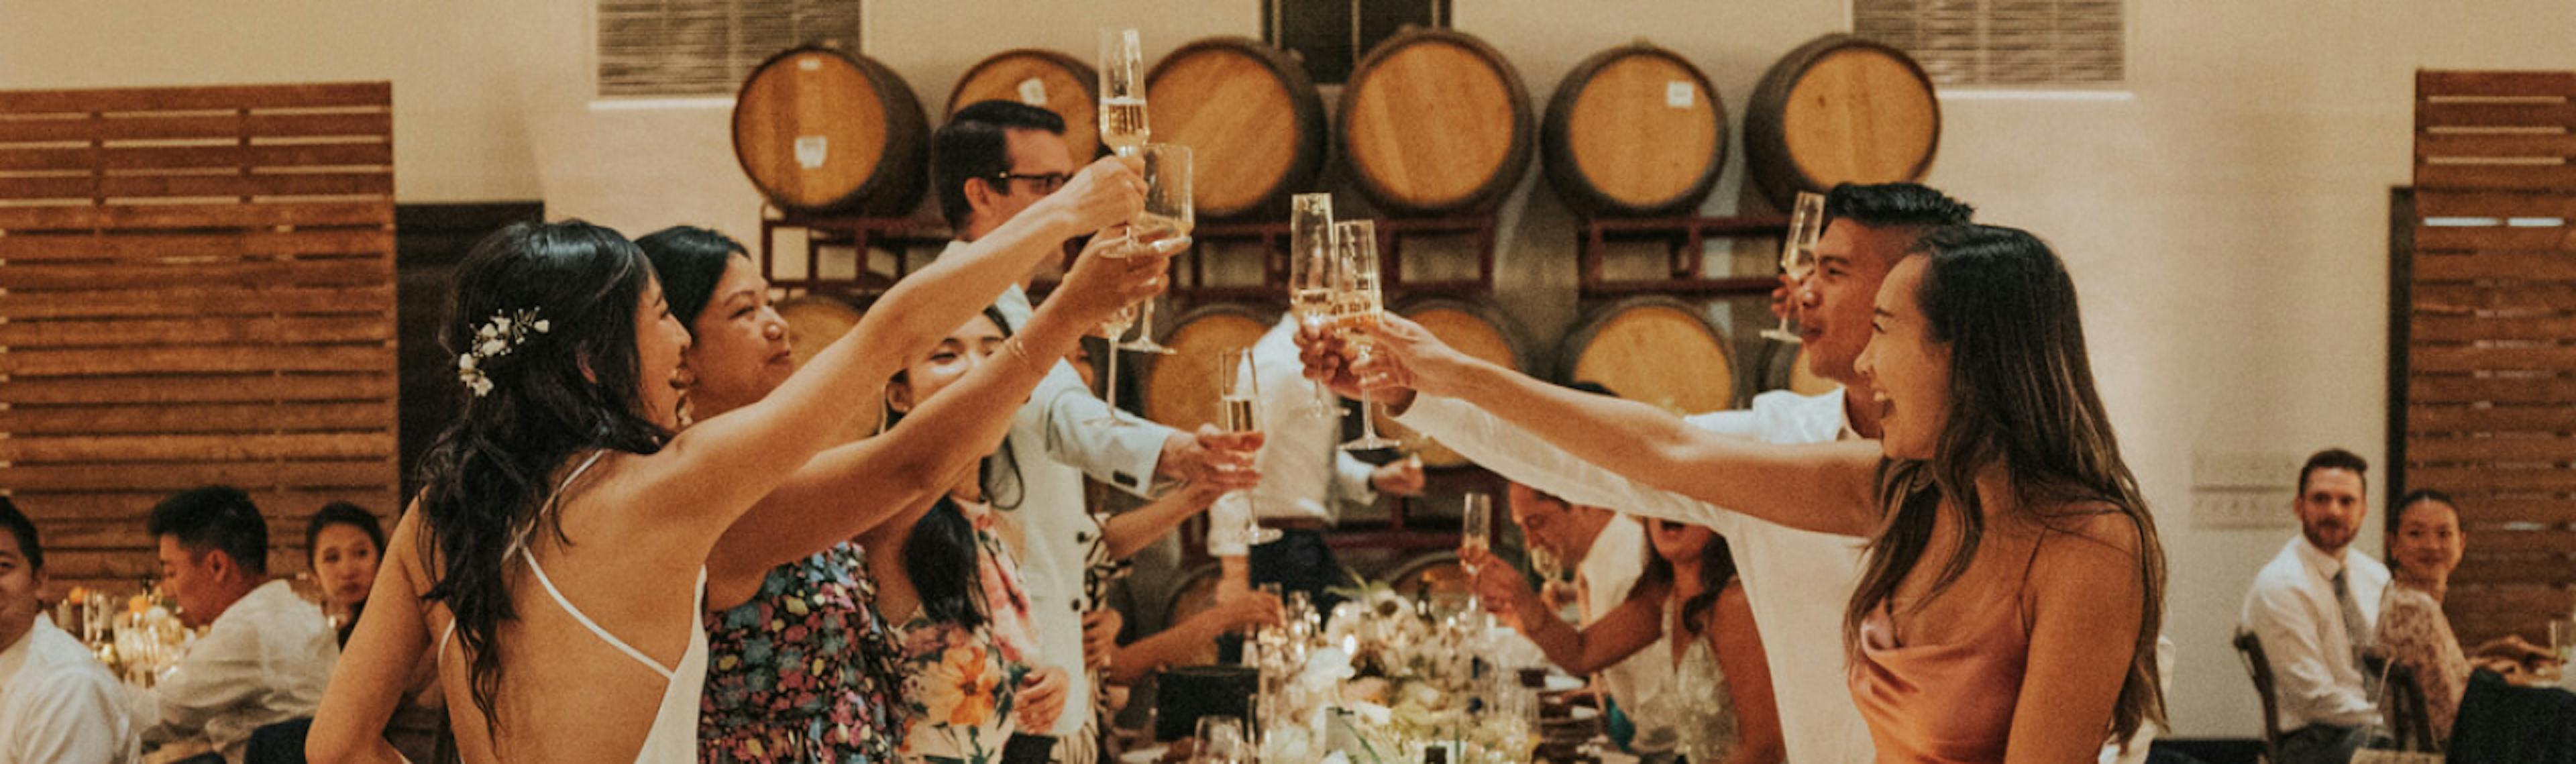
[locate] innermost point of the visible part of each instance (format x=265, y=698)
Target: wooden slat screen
x=2489, y=338
x=2003, y=43
x=196, y=286
x=707, y=47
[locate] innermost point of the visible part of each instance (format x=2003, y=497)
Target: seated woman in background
x=1716, y=704
x=343, y=544
x=2423, y=549
x=802, y=665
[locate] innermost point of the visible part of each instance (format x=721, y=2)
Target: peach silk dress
x=1944, y=703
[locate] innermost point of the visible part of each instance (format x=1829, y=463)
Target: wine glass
x=1357, y=302
x=1220, y=741
x=1310, y=281
x=1164, y=225
x=1239, y=410
x=1798, y=255
x=1474, y=539
x=1122, y=91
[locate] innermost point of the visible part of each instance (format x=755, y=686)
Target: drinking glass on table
x=1310, y=281
x=1220, y=741
x=1357, y=302
x=1798, y=255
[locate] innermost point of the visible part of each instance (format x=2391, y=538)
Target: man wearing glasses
x=991, y=161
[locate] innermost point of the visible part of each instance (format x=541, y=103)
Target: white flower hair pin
x=496, y=338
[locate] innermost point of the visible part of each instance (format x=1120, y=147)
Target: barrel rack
x=1683, y=239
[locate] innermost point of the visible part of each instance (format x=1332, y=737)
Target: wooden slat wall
x=2490, y=337
x=196, y=286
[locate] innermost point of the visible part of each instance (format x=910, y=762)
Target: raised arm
x=1824, y=487
x=850, y=488
x=379, y=661
x=2087, y=606
x=1626, y=629
x=758, y=446
x=1131, y=530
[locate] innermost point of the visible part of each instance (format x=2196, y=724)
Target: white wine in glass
x=1239, y=410
x=1122, y=91
x=1357, y=303
x=1310, y=282
x=1798, y=256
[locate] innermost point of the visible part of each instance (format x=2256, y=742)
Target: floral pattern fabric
x=961, y=683
x=2416, y=635
x=807, y=671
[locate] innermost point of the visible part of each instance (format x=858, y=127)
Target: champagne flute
x=1122, y=91
x=1310, y=281
x=1475, y=534
x=1164, y=225
x=1239, y=410
x=1798, y=256
x=1357, y=302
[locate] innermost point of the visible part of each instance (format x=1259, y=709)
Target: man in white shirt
x=1608, y=551
x=57, y=703
x=2315, y=607
x=992, y=160
x=266, y=654
x=1305, y=478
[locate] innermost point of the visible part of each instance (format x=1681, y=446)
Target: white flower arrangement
x=496, y=338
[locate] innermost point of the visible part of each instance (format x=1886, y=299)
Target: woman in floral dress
x=802, y=667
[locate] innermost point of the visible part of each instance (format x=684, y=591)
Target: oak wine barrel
x=1181, y=389
x=1784, y=367
x=1251, y=118
x=1435, y=122
x=1634, y=130
x=1046, y=79
x=1658, y=350
x=813, y=322
x=1839, y=109
x=1477, y=328
x=819, y=130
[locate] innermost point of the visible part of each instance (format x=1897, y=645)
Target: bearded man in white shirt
x=266, y=654
x=2315, y=607
x=57, y=703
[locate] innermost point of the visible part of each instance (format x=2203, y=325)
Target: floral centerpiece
x=1385, y=679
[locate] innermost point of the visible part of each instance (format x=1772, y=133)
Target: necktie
x=2356, y=630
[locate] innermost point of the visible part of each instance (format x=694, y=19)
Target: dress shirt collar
x=2324, y=565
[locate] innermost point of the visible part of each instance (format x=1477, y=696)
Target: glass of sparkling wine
x=1122, y=91
x=1475, y=534
x=1239, y=410
x=1357, y=302
x=1798, y=255
x=1164, y=225
x=1310, y=281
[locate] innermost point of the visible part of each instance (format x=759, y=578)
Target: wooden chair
x=2258, y=667
x=2409, y=719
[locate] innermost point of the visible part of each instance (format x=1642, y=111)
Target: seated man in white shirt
x=267, y=654
x=57, y=703
x=2315, y=607
x=1607, y=551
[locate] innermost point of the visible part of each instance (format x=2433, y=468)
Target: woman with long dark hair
x=1687, y=610
x=2014, y=584
x=344, y=544
x=803, y=667
x=557, y=554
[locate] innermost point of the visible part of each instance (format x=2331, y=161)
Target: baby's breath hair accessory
x=496, y=338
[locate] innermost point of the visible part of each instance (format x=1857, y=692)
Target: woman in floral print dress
x=802, y=667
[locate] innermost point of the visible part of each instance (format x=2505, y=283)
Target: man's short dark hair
x=215, y=517
x=24, y=531
x=2333, y=459
x=974, y=145
x=1894, y=205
